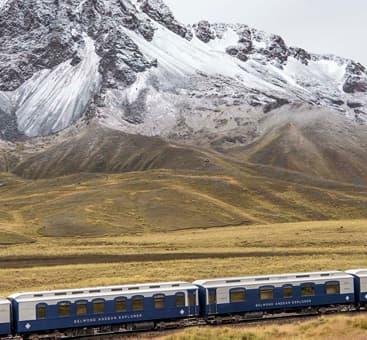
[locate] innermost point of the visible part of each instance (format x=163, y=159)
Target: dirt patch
x=12, y=238
x=71, y=225
x=47, y=261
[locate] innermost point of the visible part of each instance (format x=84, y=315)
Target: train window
x=308, y=290
x=212, y=297
x=120, y=305
x=98, y=306
x=64, y=309
x=332, y=288
x=180, y=300
x=266, y=293
x=81, y=308
x=138, y=303
x=238, y=295
x=192, y=299
x=287, y=292
x=159, y=301
x=42, y=311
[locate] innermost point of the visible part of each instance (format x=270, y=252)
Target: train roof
x=358, y=272
x=269, y=279
x=4, y=301
x=135, y=289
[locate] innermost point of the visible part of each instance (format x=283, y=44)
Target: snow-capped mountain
x=131, y=66
x=121, y=85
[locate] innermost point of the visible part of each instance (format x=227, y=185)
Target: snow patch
x=229, y=38
x=52, y=99
x=181, y=58
x=3, y=3
x=322, y=71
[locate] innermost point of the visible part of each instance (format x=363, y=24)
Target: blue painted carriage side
x=253, y=303
x=281, y=304
x=150, y=313
x=5, y=328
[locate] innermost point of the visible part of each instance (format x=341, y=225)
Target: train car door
x=212, y=301
x=192, y=302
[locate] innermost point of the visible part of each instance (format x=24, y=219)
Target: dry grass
x=335, y=328
x=165, y=200
x=90, y=230
x=183, y=255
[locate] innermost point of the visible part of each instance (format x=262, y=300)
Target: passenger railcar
x=5, y=317
x=360, y=286
x=131, y=306
x=268, y=294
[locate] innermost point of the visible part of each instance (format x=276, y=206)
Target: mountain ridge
x=132, y=67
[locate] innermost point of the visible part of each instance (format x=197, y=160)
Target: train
x=74, y=313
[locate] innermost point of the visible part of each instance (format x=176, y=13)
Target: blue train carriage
x=360, y=286
x=256, y=296
x=117, y=308
x=5, y=317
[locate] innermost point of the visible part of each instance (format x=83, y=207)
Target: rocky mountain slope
x=131, y=67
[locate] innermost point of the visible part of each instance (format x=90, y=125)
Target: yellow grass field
x=92, y=230
x=330, y=328
x=183, y=255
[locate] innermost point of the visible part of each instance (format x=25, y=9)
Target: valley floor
x=91, y=230
x=183, y=255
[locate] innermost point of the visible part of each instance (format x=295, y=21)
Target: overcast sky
x=320, y=26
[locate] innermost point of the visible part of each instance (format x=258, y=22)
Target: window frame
x=64, y=303
x=237, y=290
x=308, y=284
x=120, y=299
x=183, y=296
x=266, y=289
x=133, y=299
x=79, y=302
x=95, y=301
x=40, y=305
x=159, y=296
x=288, y=286
x=329, y=283
x=192, y=298
x=211, y=293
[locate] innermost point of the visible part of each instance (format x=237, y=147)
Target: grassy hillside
x=167, y=200
x=313, y=143
x=100, y=150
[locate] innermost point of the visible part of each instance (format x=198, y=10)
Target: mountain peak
x=132, y=66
